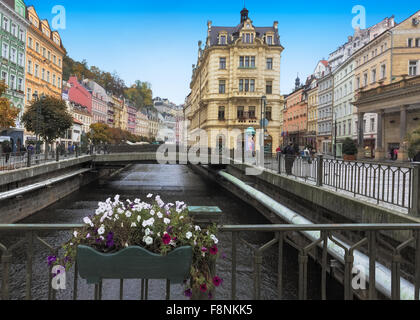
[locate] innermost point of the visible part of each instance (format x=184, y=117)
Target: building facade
x=99, y=101
x=313, y=114
x=142, y=125
x=236, y=69
x=295, y=117
x=388, y=63
x=13, y=32
x=325, y=113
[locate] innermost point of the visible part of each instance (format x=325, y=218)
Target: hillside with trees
x=140, y=93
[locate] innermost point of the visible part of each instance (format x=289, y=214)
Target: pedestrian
x=7, y=150
x=396, y=154
x=290, y=158
x=417, y=157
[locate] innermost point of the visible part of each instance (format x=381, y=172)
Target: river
x=171, y=183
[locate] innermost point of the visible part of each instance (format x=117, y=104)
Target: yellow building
x=118, y=106
x=388, y=59
x=238, y=66
x=44, y=59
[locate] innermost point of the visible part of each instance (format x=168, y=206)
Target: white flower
x=122, y=224
x=148, y=240
x=133, y=225
x=138, y=218
x=149, y=195
x=197, y=228
x=213, y=237
x=147, y=232
x=117, y=198
x=76, y=234
x=88, y=221
x=160, y=215
x=126, y=244
x=120, y=211
x=181, y=217
x=189, y=235
x=158, y=234
x=88, y=236
x=71, y=244
x=166, y=221
x=149, y=222
x=152, y=212
x=101, y=230
x=128, y=214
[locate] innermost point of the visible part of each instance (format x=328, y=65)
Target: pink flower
x=214, y=250
x=204, y=249
x=217, y=281
x=166, y=239
x=203, y=288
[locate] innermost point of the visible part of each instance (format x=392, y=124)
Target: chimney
x=276, y=25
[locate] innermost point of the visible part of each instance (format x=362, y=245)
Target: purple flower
x=188, y=293
x=170, y=229
x=110, y=243
x=224, y=255
x=166, y=239
x=67, y=259
x=51, y=260
x=204, y=249
x=110, y=236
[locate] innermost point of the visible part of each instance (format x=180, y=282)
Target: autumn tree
x=414, y=143
x=48, y=118
x=8, y=113
x=99, y=134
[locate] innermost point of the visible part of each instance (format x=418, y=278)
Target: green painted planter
x=134, y=263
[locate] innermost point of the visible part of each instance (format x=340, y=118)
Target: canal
x=172, y=183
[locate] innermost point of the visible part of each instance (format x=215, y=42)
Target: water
x=172, y=183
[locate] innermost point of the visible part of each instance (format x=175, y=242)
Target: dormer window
x=247, y=38
x=270, y=40
x=223, y=40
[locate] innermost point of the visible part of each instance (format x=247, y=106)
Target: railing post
x=279, y=159
x=320, y=171
x=415, y=207
x=29, y=159
x=57, y=155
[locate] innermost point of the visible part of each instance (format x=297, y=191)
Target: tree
x=349, y=147
x=48, y=118
x=99, y=134
x=8, y=113
x=414, y=143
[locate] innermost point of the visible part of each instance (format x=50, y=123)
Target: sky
x=157, y=41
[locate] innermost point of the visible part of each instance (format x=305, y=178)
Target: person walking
x=290, y=158
x=396, y=154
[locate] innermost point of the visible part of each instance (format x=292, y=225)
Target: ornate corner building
x=236, y=69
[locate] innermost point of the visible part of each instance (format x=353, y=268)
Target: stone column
x=380, y=148
x=403, y=152
x=361, y=135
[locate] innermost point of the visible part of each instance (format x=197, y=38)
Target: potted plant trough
x=349, y=150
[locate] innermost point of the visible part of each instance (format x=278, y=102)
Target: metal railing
x=385, y=183
x=326, y=235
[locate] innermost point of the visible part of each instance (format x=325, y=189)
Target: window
x=5, y=51
x=269, y=87
x=20, y=59
x=223, y=40
x=252, y=113
x=48, y=76
x=222, y=63
x=29, y=66
x=383, y=71
x=373, y=76
x=4, y=76
x=222, y=86
x=410, y=42
x=252, y=62
x=412, y=70
x=13, y=30
x=349, y=123
x=252, y=85
x=241, y=85
x=59, y=82
x=418, y=42
x=270, y=40
x=13, y=82
x=59, y=62
x=29, y=95
x=269, y=63
x=43, y=74
x=365, y=79
x=358, y=83
x=54, y=80
x=13, y=56
x=22, y=36
x=372, y=125
x=44, y=52
x=30, y=42
x=221, y=113
x=55, y=59
x=6, y=24
x=37, y=47
x=20, y=84
x=37, y=71
x=268, y=114
x=241, y=113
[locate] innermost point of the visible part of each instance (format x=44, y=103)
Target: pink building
x=131, y=119
x=99, y=101
x=79, y=95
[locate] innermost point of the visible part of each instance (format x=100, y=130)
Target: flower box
x=134, y=263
